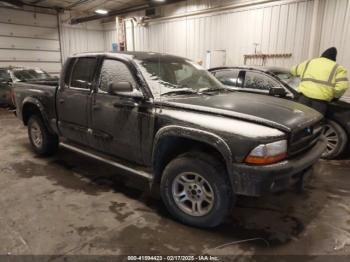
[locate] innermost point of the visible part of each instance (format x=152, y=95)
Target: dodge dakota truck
x=168, y=120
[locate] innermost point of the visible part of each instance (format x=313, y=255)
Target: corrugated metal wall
x=110, y=35
x=336, y=29
x=336, y=32
x=32, y=39
x=86, y=37
x=29, y=39
x=277, y=27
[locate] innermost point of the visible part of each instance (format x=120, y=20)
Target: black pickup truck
x=167, y=119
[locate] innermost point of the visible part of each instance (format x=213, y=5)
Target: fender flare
x=36, y=102
x=198, y=135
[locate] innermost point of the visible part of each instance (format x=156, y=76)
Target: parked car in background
x=10, y=75
x=274, y=81
x=169, y=120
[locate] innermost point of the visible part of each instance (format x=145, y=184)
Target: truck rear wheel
x=43, y=142
x=195, y=190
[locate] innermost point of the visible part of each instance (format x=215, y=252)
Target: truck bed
x=43, y=94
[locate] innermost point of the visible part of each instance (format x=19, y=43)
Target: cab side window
x=228, y=77
x=114, y=71
x=68, y=69
x=4, y=76
x=258, y=81
x=83, y=73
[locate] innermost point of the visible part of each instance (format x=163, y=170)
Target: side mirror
x=120, y=87
x=277, y=91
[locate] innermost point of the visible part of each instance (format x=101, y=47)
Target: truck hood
x=274, y=112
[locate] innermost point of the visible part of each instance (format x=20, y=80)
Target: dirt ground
x=71, y=205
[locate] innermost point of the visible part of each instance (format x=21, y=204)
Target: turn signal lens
x=268, y=153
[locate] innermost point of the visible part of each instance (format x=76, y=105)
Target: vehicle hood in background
x=270, y=111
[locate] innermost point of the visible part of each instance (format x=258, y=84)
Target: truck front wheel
x=195, y=190
x=43, y=142
x=336, y=139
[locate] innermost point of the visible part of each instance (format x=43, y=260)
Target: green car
x=10, y=75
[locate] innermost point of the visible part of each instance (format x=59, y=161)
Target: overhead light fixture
x=158, y=1
x=101, y=11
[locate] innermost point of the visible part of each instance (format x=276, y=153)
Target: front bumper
x=258, y=180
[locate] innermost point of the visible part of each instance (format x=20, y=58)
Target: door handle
x=126, y=104
x=96, y=107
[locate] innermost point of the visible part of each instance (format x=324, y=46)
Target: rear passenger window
x=83, y=73
x=68, y=70
x=114, y=71
x=258, y=81
x=228, y=77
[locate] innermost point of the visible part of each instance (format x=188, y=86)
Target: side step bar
x=107, y=161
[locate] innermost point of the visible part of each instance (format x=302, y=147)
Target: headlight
x=268, y=153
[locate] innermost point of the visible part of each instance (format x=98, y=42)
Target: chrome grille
x=305, y=138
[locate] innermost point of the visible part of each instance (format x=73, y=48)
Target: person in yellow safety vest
x=321, y=80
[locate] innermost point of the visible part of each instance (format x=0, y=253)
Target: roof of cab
x=130, y=55
x=266, y=69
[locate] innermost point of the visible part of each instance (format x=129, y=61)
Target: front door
x=73, y=100
x=117, y=120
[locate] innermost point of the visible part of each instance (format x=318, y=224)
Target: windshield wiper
x=179, y=92
x=209, y=90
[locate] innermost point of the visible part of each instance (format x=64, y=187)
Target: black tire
x=214, y=174
x=49, y=143
x=336, y=138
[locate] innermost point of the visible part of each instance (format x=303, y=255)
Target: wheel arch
x=172, y=141
x=338, y=126
x=343, y=125
x=32, y=105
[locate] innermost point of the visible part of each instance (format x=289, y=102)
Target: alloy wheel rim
x=332, y=140
x=36, y=135
x=193, y=194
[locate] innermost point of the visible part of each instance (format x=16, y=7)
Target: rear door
x=229, y=77
x=258, y=82
x=73, y=99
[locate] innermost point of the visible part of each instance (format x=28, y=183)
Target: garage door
x=29, y=39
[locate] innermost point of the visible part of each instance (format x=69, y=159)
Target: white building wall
x=336, y=32
x=110, y=35
x=92, y=36
x=336, y=29
x=29, y=39
x=193, y=27
x=277, y=27
x=85, y=37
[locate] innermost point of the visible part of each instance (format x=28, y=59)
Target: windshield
x=31, y=74
x=169, y=75
x=288, y=78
